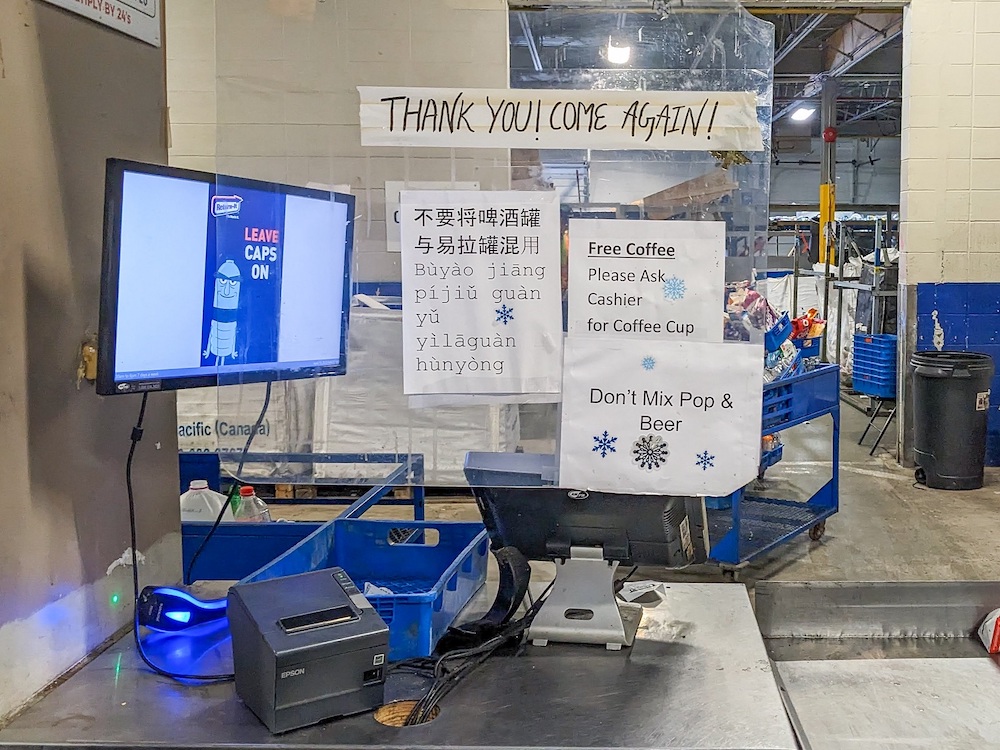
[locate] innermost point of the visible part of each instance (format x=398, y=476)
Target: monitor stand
x=582, y=607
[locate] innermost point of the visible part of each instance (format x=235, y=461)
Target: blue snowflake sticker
x=604, y=444
x=705, y=460
x=505, y=314
x=674, y=288
x=648, y=363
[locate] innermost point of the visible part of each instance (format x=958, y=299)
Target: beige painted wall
x=73, y=94
x=951, y=141
x=283, y=102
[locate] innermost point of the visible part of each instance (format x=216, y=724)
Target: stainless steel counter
x=698, y=678
x=895, y=703
x=884, y=665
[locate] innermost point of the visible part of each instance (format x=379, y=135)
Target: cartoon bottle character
x=222, y=333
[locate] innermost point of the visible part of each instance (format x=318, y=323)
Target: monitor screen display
x=210, y=280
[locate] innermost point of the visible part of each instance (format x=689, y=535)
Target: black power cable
x=471, y=659
x=136, y=437
x=236, y=484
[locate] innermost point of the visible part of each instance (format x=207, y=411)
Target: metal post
x=795, y=279
x=840, y=306
x=827, y=192
x=828, y=167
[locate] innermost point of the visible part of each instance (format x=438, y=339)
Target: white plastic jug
x=200, y=503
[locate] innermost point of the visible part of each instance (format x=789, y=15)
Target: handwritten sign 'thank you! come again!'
x=530, y=118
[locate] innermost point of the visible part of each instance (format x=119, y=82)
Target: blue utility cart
x=754, y=525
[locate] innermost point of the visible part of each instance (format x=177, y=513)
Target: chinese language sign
x=392, y=190
x=660, y=417
x=543, y=118
x=646, y=279
x=481, y=292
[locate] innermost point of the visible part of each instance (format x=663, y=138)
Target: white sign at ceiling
x=546, y=118
x=637, y=279
x=137, y=18
x=481, y=292
x=660, y=417
x=392, y=191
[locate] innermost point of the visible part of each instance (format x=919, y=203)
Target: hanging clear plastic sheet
x=293, y=119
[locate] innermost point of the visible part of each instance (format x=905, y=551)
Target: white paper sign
x=547, y=118
x=661, y=418
x=392, y=190
x=481, y=292
x=137, y=18
x=639, y=279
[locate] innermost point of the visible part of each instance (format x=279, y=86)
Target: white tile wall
x=955, y=267
x=984, y=267
x=958, y=174
x=189, y=47
x=951, y=141
x=984, y=237
x=272, y=92
x=985, y=206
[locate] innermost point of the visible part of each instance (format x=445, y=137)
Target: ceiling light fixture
x=619, y=52
x=803, y=113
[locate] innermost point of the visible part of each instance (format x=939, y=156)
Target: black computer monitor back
x=521, y=508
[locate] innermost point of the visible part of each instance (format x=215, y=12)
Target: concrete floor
x=887, y=528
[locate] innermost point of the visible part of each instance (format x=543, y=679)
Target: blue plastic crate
x=873, y=374
x=874, y=371
x=872, y=382
x=808, y=347
x=778, y=334
x=800, y=398
x=874, y=362
x=433, y=574
x=771, y=457
x=882, y=346
x=238, y=549
x=199, y=466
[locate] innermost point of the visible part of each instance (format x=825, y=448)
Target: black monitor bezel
x=107, y=384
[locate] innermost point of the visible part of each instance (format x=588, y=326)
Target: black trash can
x=951, y=399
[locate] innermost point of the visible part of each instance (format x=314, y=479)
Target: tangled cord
x=446, y=678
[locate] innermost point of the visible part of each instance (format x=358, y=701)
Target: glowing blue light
x=200, y=603
x=178, y=616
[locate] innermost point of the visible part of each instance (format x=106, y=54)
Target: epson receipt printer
x=306, y=648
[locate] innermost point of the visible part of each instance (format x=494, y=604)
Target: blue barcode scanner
x=171, y=610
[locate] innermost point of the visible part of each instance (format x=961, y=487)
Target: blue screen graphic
x=240, y=323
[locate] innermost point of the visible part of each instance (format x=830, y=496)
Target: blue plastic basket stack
x=875, y=364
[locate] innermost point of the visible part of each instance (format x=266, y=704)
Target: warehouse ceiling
x=860, y=49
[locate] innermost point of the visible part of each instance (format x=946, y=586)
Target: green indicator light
x=114, y=599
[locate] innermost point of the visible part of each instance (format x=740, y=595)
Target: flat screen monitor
x=209, y=279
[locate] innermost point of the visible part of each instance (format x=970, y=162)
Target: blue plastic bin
x=433, y=575
x=800, y=398
x=771, y=457
x=238, y=549
x=875, y=364
x=194, y=466
x=808, y=347
x=778, y=334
